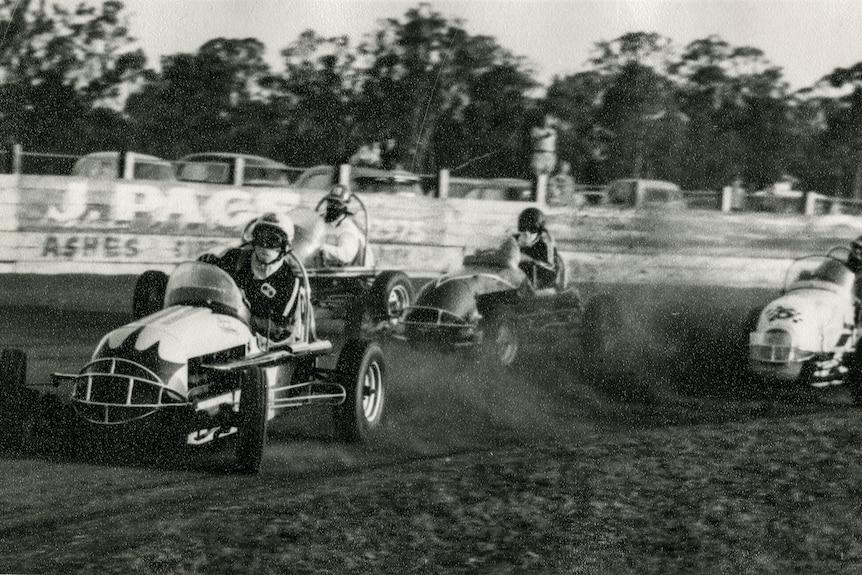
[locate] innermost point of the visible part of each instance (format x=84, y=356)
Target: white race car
x=809, y=333
x=195, y=372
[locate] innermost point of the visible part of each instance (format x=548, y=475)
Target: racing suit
x=343, y=244
x=540, y=267
x=273, y=299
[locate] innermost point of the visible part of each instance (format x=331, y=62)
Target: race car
x=490, y=308
x=808, y=334
x=361, y=295
x=196, y=371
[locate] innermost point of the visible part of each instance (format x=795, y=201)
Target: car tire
x=562, y=279
x=602, y=327
x=391, y=292
x=853, y=377
x=19, y=403
x=254, y=412
x=361, y=370
x=501, y=344
x=149, y=294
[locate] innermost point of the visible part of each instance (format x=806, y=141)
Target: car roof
x=653, y=183
x=217, y=156
x=113, y=155
x=363, y=172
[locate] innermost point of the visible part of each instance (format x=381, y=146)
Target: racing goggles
x=268, y=240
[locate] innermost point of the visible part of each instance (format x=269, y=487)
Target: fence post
x=726, y=198
x=17, y=152
x=542, y=189
x=128, y=165
x=344, y=175
x=443, y=184
x=810, y=202
x=238, y=172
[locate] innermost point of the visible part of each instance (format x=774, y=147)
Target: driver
x=854, y=262
x=536, y=245
x=266, y=278
x=854, y=258
x=343, y=242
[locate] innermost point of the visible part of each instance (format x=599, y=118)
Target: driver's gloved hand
x=272, y=331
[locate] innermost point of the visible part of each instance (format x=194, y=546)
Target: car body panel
x=807, y=333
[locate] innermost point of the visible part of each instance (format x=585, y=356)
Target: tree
x=451, y=99
x=316, y=99
x=57, y=64
x=206, y=98
x=640, y=114
x=735, y=101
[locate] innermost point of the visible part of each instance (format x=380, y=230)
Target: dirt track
x=532, y=472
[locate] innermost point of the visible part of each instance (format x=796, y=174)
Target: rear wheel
x=149, y=294
x=361, y=371
x=253, y=409
x=390, y=293
x=853, y=377
x=562, y=279
x=500, y=343
x=602, y=325
x=18, y=407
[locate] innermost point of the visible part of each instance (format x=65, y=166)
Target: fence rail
x=14, y=160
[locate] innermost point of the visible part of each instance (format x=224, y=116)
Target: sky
x=806, y=38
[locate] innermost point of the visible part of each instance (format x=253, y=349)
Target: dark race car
x=490, y=308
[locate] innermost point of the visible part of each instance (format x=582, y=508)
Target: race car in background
x=808, y=334
x=491, y=309
x=361, y=297
x=194, y=372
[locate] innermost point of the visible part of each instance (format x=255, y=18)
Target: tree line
x=72, y=81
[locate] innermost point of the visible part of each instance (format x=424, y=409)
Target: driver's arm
x=544, y=262
x=346, y=248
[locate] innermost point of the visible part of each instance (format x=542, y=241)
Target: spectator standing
x=544, y=140
x=561, y=188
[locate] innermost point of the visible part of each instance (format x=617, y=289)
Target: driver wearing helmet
x=854, y=258
x=266, y=279
x=343, y=242
x=536, y=245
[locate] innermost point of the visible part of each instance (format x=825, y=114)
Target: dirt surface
x=677, y=466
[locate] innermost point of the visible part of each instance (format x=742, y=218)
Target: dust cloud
x=673, y=350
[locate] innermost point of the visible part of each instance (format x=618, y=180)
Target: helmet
x=272, y=231
x=339, y=193
x=531, y=220
x=336, y=202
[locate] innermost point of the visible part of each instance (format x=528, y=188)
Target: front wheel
x=253, y=409
x=853, y=377
x=17, y=402
x=602, y=324
x=361, y=370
